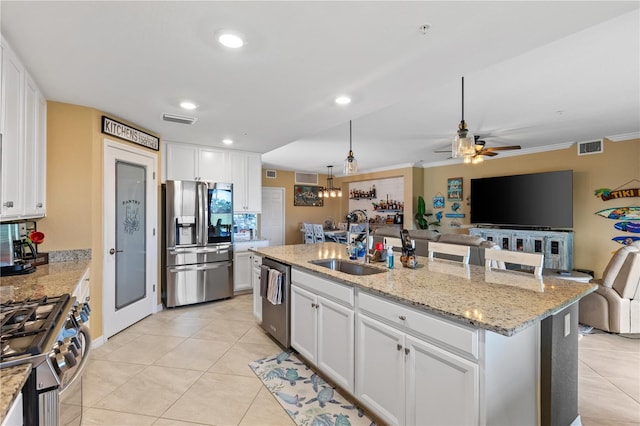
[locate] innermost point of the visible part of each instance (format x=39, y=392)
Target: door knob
x=114, y=251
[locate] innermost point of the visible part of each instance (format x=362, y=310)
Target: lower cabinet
x=242, y=271
x=322, y=331
x=420, y=384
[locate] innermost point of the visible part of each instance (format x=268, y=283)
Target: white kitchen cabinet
x=194, y=162
x=256, y=262
x=323, y=326
x=242, y=266
x=422, y=382
x=23, y=147
x=440, y=388
x=245, y=169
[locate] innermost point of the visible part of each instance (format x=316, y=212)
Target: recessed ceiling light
x=188, y=105
x=230, y=40
x=343, y=100
x=227, y=141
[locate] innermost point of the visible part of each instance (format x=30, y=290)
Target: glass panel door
x=130, y=285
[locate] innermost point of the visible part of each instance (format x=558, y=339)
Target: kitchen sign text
x=122, y=131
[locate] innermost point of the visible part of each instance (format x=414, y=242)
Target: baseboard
x=96, y=342
x=577, y=421
x=158, y=308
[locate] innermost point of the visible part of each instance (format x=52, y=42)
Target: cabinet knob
x=39, y=205
x=313, y=305
x=399, y=347
x=402, y=317
x=406, y=351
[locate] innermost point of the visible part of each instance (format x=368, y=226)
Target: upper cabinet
x=243, y=169
x=23, y=123
x=246, y=175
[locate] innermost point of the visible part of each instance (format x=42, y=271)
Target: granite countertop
x=504, y=302
x=12, y=379
x=53, y=279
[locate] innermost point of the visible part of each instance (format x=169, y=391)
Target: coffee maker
x=16, y=251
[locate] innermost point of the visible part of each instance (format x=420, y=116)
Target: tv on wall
x=537, y=200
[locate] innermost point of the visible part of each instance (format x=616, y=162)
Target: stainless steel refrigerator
x=197, y=259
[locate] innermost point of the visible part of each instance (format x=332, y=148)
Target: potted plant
x=423, y=218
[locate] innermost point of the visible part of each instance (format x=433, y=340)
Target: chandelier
x=329, y=191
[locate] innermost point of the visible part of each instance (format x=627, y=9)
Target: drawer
x=321, y=286
x=464, y=339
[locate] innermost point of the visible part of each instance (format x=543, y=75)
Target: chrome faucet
x=353, y=217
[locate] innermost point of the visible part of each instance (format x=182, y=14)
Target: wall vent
x=182, y=119
x=271, y=174
x=306, y=178
x=590, y=147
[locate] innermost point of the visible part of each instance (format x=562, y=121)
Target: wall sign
x=122, y=131
x=438, y=201
x=454, y=189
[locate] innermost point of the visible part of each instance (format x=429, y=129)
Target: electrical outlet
x=567, y=324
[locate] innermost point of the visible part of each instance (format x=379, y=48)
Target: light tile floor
x=189, y=366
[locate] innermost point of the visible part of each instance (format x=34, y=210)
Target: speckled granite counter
x=501, y=301
x=12, y=379
x=53, y=279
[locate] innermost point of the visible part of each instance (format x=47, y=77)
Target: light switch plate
x=567, y=324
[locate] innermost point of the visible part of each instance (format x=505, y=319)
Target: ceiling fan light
x=477, y=159
x=467, y=159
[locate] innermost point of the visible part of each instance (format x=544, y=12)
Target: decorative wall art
x=633, y=227
x=621, y=213
x=454, y=189
x=626, y=240
x=306, y=195
x=438, y=201
x=607, y=194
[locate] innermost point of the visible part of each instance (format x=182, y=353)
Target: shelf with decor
x=388, y=210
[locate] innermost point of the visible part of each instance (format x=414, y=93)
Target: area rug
x=304, y=395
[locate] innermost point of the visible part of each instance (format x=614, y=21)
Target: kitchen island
x=459, y=345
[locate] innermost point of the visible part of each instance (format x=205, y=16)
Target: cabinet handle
x=402, y=317
x=8, y=204
x=399, y=347
x=406, y=351
x=313, y=305
x=39, y=205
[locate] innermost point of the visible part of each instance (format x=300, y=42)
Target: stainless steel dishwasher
x=276, y=318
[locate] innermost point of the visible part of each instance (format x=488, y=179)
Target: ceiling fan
x=481, y=149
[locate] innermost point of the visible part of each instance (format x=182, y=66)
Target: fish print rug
x=304, y=395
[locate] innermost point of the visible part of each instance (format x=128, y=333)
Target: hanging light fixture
x=350, y=163
x=329, y=191
x=463, y=143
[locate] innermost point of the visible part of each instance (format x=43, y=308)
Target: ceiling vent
x=271, y=174
x=590, y=147
x=306, y=178
x=182, y=119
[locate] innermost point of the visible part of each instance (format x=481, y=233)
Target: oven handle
x=83, y=362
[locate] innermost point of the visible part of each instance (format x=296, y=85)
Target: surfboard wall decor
x=626, y=240
x=621, y=213
x=628, y=227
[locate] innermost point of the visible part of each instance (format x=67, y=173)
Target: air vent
x=271, y=174
x=182, y=119
x=307, y=178
x=591, y=147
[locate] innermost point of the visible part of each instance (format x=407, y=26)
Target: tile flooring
x=189, y=366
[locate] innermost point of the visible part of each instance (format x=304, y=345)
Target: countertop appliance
x=197, y=259
x=16, y=252
x=276, y=318
x=50, y=334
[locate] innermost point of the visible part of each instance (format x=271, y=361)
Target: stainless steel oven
x=50, y=334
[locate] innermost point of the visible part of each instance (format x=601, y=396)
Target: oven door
x=71, y=389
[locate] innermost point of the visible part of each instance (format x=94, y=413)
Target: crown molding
x=624, y=137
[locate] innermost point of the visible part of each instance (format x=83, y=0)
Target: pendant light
x=329, y=191
x=350, y=163
x=463, y=143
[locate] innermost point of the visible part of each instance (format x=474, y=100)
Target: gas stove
x=50, y=334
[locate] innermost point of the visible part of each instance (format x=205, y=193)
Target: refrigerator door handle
x=200, y=267
x=199, y=250
x=202, y=209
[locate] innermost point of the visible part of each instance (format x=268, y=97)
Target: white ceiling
x=538, y=74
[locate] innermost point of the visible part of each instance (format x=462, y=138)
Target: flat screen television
x=537, y=200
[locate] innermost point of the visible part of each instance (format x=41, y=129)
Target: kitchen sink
x=347, y=267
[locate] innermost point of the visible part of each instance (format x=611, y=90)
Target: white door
x=242, y=270
x=272, y=217
x=304, y=323
x=380, y=348
x=130, y=240
x=336, y=342
x=442, y=388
